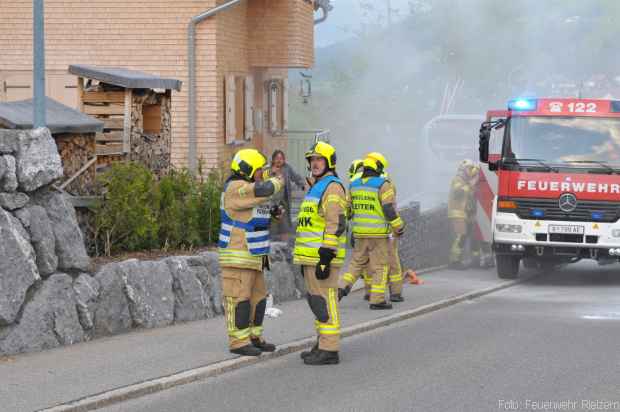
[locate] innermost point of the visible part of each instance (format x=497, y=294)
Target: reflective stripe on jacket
x=311, y=227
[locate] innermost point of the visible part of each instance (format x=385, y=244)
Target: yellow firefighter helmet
x=376, y=161
x=355, y=167
x=247, y=161
x=325, y=150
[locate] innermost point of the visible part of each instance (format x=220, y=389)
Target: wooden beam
x=113, y=123
x=80, y=87
x=110, y=149
x=109, y=137
x=127, y=122
x=84, y=201
x=111, y=109
x=104, y=97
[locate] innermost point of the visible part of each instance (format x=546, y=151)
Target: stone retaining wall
x=49, y=297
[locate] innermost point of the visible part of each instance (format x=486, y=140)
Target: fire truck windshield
x=564, y=140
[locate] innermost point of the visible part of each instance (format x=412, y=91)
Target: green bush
x=138, y=212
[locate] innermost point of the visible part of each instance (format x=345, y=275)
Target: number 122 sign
x=579, y=107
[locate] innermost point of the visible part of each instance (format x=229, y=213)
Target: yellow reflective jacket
x=321, y=222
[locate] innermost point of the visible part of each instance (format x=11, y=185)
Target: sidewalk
x=40, y=380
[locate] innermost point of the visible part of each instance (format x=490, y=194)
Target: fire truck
x=550, y=193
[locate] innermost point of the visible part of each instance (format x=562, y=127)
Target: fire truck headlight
x=615, y=233
x=508, y=228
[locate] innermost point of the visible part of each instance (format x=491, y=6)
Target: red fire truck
x=551, y=192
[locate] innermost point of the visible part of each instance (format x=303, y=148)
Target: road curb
x=137, y=390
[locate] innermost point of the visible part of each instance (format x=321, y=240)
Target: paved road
x=553, y=339
x=72, y=372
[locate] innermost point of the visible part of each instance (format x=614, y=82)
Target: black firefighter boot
x=381, y=306
x=263, y=346
x=322, y=357
x=396, y=297
x=247, y=350
x=307, y=353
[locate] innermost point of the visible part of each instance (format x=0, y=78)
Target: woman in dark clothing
x=282, y=227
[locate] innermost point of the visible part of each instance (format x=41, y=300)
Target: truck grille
x=609, y=211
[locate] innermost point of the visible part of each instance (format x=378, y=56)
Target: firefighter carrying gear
x=243, y=250
x=374, y=217
x=320, y=249
x=462, y=209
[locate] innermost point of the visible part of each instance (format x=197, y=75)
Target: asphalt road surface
x=551, y=344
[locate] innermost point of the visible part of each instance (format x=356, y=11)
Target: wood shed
x=135, y=108
x=74, y=133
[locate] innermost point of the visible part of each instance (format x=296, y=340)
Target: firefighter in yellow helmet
x=320, y=249
x=461, y=210
x=243, y=251
x=374, y=218
x=395, y=275
x=353, y=272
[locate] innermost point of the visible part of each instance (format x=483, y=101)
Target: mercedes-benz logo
x=568, y=202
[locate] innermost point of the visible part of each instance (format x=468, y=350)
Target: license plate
x=567, y=229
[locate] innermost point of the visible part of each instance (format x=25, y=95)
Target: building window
x=277, y=103
x=239, y=108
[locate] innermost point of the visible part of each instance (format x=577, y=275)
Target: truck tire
x=507, y=266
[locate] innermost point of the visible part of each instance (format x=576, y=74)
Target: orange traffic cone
x=413, y=277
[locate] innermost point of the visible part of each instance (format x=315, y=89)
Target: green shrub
x=126, y=218
x=138, y=212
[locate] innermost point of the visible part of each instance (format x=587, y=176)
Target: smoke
x=377, y=90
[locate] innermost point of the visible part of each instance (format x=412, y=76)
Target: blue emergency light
x=537, y=213
x=523, y=105
x=598, y=215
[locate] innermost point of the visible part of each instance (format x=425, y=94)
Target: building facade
x=243, y=54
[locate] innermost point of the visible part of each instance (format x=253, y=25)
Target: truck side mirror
x=483, y=142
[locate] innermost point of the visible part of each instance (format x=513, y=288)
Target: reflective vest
x=311, y=227
x=256, y=230
x=366, y=208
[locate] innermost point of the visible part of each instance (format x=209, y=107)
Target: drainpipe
x=325, y=8
x=191, y=69
x=38, y=64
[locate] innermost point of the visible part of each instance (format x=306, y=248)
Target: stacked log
x=75, y=151
x=152, y=146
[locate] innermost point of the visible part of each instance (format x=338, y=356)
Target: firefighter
x=353, y=272
x=395, y=275
x=374, y=217
x=320, y=249
x=243, y=251
x=461, y=210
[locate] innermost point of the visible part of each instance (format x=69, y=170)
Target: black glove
x=326, y=255
x=342, y=292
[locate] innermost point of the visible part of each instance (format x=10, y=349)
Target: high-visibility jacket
x=321, y=222
x=461, y=198
x=244, y=234
x=367, y=212
x=370, y=198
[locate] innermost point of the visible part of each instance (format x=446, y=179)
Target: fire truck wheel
x=507, y=266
